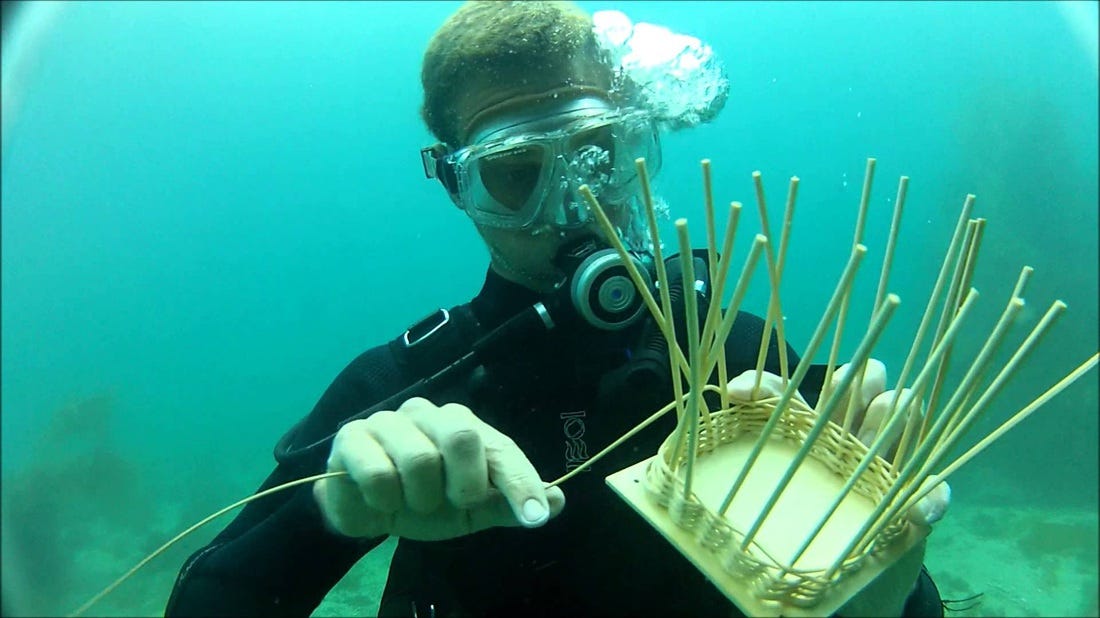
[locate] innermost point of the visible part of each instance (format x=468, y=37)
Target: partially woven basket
x=814, y=521
x=724, y=441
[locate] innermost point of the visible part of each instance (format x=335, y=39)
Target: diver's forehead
x=487, y=96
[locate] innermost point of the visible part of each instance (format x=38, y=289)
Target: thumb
x=497, y=511
x=511, y=473
x=874, y=382
x=452, y=522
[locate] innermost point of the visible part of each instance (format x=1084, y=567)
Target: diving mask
x=523, y=171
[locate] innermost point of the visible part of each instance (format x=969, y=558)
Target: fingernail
x=534, y=512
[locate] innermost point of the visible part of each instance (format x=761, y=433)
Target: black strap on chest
x=438, y=349
x=431, y=351
x=435, y=341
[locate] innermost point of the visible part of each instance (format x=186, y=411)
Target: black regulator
x=600, y=290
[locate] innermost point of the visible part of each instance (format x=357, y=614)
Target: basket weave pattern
x=770, y=578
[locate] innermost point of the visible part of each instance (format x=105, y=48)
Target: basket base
x=878, y=588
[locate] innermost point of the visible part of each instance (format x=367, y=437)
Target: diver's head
x=521, y=97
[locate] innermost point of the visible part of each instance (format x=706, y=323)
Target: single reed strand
x=848, y=413
x=712, y=274
x=891, y=243
x=160, y=550
x=652, y=418
x=864, y=201
x=664, y=324
x=781, y=262
x=788, y=219
x=691, y=309
x=717, y=275
x=663, y=285
x=765, y=227
x=708, y=210
x=1022, y=281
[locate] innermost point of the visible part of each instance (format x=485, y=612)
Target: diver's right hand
x=430, y=473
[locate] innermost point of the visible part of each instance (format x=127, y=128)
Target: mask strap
x=435, y=166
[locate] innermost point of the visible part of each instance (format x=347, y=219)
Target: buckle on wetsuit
x=415, y=614
x=426, y=327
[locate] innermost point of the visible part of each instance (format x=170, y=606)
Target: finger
x=741, y=387
x=878, y=417
x=370, y=469
x=871, y=423
x=932, y=507
x=456, y=432
x=874, y=382
x=418, y=462
x=516, y=478
x=873, y=420
x=341, y=503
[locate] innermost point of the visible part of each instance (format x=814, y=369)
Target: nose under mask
x=564, y=207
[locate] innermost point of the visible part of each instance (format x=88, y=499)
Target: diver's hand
x=871, y=414
x=430, y=473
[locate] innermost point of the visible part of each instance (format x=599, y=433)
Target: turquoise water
x=209, y=209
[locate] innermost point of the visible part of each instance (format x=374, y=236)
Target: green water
x=204, y=206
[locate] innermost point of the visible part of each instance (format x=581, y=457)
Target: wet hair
x=493, y=42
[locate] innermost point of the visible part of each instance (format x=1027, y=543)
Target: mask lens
x=511, y=176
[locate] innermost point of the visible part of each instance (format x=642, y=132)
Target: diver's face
x=525, y=255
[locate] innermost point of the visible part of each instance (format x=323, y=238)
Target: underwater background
x=209, y=209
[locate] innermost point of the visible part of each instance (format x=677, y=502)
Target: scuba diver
x=448, y=431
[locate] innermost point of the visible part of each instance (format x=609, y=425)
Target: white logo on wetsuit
x=576, y=451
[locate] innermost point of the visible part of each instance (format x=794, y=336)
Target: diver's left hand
x=871, y=410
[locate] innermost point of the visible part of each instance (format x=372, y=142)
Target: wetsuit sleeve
x=277, y=557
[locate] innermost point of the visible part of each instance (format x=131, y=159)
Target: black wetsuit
x=559, y=396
